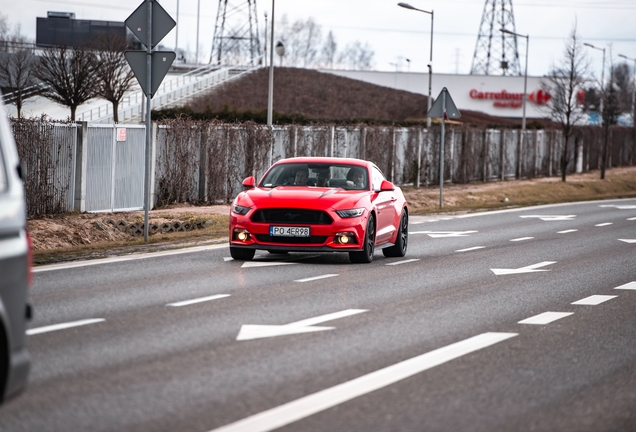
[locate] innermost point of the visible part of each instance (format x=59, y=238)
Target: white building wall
x=492, y=90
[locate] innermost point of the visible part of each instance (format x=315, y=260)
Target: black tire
x=402, y=241
x=278, y=252
x=365, y=256
x=242, y=254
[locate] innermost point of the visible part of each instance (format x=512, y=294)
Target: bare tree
x=114, y=76
x=611, y=110
x=563, y=83
x=356, y=56
x=69, y=75
x=16, y=67
x=329, y=50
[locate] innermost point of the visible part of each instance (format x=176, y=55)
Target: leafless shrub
x=40, y=156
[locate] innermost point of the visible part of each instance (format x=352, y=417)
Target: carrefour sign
x=504, y=99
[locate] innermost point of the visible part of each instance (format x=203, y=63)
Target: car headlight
x=350, y=213
x=240, y=209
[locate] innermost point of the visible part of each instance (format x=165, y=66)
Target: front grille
x=291, y=240
x=292, y=216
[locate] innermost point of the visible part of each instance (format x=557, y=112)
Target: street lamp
x=634, y=90
x=430, y=65
x=525, y=77
x=265, y=47
x=270, y=92
x=280, y=50
x=602, y=76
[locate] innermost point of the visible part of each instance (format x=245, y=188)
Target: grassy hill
x=305, y=96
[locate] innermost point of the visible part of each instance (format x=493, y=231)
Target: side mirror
x=386, y=186
x=248, y=183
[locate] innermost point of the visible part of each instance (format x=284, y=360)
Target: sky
x=394, y=33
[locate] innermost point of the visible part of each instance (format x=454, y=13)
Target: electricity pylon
x=236, y=38
x=496, y=52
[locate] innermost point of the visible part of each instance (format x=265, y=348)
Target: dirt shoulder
x=94, y=235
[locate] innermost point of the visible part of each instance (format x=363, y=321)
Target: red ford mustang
x=320, y=205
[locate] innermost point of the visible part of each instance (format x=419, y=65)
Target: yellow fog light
x=344, y=239
x=241, y=235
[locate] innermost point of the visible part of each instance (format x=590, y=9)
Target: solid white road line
x=603, y=224
x=567, y=231
x=470, y=249
x=594, y=300
x=63, y=326
x=309, y=279
x=522, y=239
x=328, y=398
x=545, y=318
x=198, y=300
x=403, y=262
x=627, y=286
x=126, y=258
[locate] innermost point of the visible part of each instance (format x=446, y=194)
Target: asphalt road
x=476, y=329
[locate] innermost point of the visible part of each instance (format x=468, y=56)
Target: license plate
x=283, y=231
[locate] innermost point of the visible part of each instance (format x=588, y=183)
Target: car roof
x=324, y=160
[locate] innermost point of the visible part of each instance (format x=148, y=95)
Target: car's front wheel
x=401, y=242
x=242, y=254
x=366, y=254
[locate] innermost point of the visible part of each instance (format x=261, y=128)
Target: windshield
x=317, y=175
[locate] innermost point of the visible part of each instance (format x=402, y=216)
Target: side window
x=376, y=178
x=4, y=185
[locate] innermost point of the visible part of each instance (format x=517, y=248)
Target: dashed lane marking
x=603, y=224
x=634, y=218
x=522, y=239
x=594, y=300
x=63, y=326
x=545, y=318
x=628, y=240
x=309, y=279
x=567, y=231
x=550, y=218
x=198, y=300
x=470, y=249
x=317, y=402
x=627, y=286
x=403, y=262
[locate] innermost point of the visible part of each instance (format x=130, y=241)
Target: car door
x=384, y=204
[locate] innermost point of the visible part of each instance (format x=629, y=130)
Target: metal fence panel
x=129, y=170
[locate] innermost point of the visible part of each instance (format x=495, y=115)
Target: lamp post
x=265, y=47
x=633, y=90
x=270, y=91
x=525, y=93
x=198, y=21
x=430, y=65
x=602, y=76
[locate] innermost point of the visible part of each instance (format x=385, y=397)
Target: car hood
x=301, y=197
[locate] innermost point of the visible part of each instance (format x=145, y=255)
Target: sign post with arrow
x=150, y=23
x=443, y=108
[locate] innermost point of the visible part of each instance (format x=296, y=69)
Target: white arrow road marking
x=249, y=331
x=567, y=231
x=628, y=240
x=527, y=269
x=249, y=264
x=314, y=403
x=627, y=286
x=551, y=217
x=522, y=239
x=316, y=278
x=443, y=234
x=545, y=318
x=403, y=262
x=603, y=224
x=63, y=326
x=621, y=207
x=594, y=300
x=198, y=300
x=470, y=249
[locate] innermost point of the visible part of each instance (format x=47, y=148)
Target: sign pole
x=441, y=154
x=148, y=120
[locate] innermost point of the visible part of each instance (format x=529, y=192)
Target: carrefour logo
x=504, y=99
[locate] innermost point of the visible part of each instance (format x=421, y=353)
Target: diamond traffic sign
x=162, y=23
x=161, y=62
